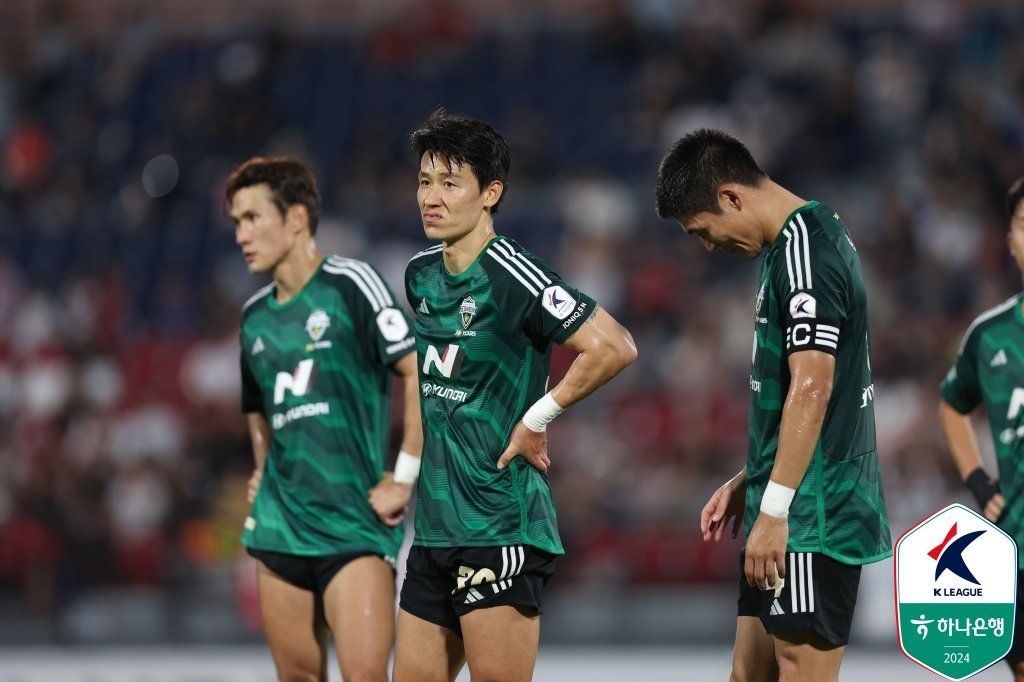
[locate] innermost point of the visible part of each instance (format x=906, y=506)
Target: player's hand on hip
x=726, y=505
x=994, y=508
x=389, y=499
x=528, y=444
x=253, y=486
x=766, y=551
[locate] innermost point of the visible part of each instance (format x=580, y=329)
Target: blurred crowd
x=123, y=455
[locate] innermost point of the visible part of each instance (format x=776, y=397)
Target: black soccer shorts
x=312, y=573
x=820, y=594
x=442, y=584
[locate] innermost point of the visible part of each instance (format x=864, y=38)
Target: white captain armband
x=812, y=334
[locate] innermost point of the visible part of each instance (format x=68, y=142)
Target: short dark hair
x=1014, y=196
x=465, y=141
x=697, y=165
x=290, y=181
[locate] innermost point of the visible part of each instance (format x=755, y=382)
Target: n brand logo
x=447, y=363
x=298, y=382
x=1016, y=402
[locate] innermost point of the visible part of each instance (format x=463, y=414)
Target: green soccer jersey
x=811, y=296
x=317, y=367
x=989, y=370
x=484, y=339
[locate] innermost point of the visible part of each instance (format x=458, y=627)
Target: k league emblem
x=956, y=585
x=467, y=311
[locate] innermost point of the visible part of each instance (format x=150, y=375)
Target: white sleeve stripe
x=358, y=279
x=507, y=251
x=257, y=296
x=375, y=280
x=807, y=248
x=789, y=259
x=822, y=342
x=493, y=254
x=534, y=267
x=798, y=247
x=426, y=252
x=368, y=273
x=371, y=276
x=827, y=337
x=828, y=327
x=987, y=315
x=524, y=259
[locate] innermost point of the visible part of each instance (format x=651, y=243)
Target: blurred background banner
x=123, y=454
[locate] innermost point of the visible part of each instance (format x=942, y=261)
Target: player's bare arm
x=963, y=446
x=726, y=505
x=605, y=348
x=389, y=498
x=259, y=434
x=803, y=413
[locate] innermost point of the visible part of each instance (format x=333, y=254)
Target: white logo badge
x=423, y=307
x=392, y=324
x=803, y=305
x=760, y=300
x=467, y=311
x=257, y=347
x=558, y=302
x=317, y=323
x=999, y=359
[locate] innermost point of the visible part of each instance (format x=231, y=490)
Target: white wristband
x=542, y=412
x=407, y=468
x=776, y=500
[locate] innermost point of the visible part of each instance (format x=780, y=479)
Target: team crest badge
x=467, y=311
x=956, y=584
x=760, y=300
x=317, y=323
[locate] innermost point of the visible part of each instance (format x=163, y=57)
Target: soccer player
x=810, y=495
x=989, y=371
x=487, y=313
x=319, y=347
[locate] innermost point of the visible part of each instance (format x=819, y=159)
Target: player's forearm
x=960, y=438
x=259, y=434
x=802, y=417
x=595, y=366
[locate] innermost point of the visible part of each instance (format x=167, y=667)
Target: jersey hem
x=332, y=551
x=843, y=558
x=550, y=549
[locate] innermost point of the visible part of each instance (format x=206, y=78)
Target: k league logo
x=956, y=585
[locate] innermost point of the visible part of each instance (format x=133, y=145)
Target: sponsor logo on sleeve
x=558, y=302
x=803, y=305
x=392, y=324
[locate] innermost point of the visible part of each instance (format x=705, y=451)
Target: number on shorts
x=473, y=576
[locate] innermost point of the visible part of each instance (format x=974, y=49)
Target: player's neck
x=776, y=204
x=295, y=270
x=460, y=254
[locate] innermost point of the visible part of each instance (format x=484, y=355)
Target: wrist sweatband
x=983, y=487
x=407, y=468
x=776, y=500
x=542, y=412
